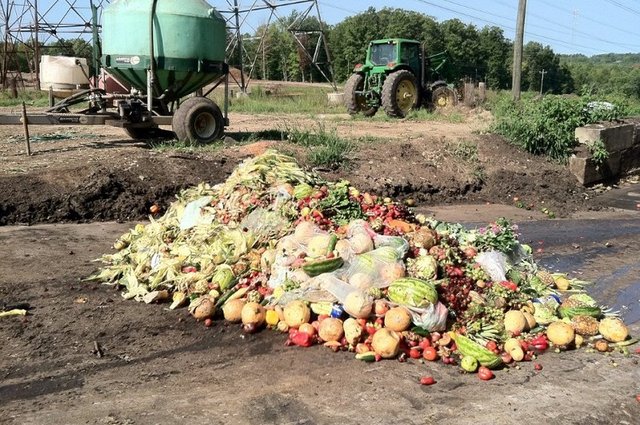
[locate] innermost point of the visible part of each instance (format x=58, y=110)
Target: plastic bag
x=399, y=243
x=382, y=266
x=193, y=214
x=265, y=224
x=432, y=318
x=494, y=263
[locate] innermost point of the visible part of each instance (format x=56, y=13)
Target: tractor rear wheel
x=357, y=102
x=443, y=97
x=198, y=120
x=400, y=93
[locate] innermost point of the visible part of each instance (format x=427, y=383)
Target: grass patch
x=324, y=148
x=282, y=99
x=36, y=98
x=464, y=151
x=165, y=146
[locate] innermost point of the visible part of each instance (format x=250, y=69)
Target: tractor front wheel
x=400, y=93
x=357, y=102
x=443, y=97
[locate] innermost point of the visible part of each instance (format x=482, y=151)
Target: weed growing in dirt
x=324, y=147
x=464, y=150
x=599, y=152
x=424, y=114
x=546, y=126
x=182, y=146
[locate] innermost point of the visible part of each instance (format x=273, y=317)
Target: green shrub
x=546, y=126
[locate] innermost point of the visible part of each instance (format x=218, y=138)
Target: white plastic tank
x=63, y=73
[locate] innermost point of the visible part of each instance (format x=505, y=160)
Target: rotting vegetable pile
x=277, y=247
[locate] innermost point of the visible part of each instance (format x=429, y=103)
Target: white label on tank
x=135, y=60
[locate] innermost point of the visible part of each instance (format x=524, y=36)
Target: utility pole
x=517, y=51
x=542, y=80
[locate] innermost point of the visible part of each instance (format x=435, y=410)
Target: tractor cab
x=393, y=53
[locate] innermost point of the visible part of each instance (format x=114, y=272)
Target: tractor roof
x=394, y=40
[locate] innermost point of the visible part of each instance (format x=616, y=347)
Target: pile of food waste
x=277, y=247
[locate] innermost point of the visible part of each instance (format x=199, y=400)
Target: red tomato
x=427, y=380
x=537, y=366
x=430, y=354
x=491, y=345
x=425, y=343
x=506, y=358
x=414, y=353
x=485, y=373
x=208, y=322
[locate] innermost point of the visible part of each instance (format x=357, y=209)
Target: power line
x=539, y=36
x=587, y=18
x=623, y=7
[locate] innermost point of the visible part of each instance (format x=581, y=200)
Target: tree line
x=480, y=54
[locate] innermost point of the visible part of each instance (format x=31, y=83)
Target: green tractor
x=398, y=76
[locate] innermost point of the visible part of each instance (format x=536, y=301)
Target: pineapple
x=546, y=277
x=572, y=303
x=585, y=325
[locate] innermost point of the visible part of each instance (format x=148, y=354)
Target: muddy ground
x=86, y=174
x=158, y=366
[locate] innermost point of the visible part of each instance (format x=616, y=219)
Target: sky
x=589, y=27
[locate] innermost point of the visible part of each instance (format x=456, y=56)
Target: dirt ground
x=154, y=365
x=85, y=173
x=159, y=366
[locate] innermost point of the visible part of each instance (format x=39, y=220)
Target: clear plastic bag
x=193, y=213
x=432, y=318
x=494, y=263
x=264, y=224
x=382, y=266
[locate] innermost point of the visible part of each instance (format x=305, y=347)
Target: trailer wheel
x=357, y=102
x=198, y=120
x=400, y=93
x=443, y=97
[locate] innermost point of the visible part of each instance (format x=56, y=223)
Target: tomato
x=189, y=269
x=425, y=343
x=509, y=285
x=491, y=345
x=537, y=366
x=427, y=380
x=506, y=358
x=208, y=322
x=414, y=353
x=430, y=354
x=485, y=373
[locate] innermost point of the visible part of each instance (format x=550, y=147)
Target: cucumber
x=315, y=268
x=368, y=356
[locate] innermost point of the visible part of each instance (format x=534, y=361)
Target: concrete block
x=615, y=137
x=588, y=172
x=630, y=160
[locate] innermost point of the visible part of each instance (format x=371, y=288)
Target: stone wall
x=622, y=141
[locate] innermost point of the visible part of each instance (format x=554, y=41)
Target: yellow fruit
x=514, y=322
x=397, y=319
x=613, y=329
x=560, y=333
x=562, y=283
x=272, y=318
